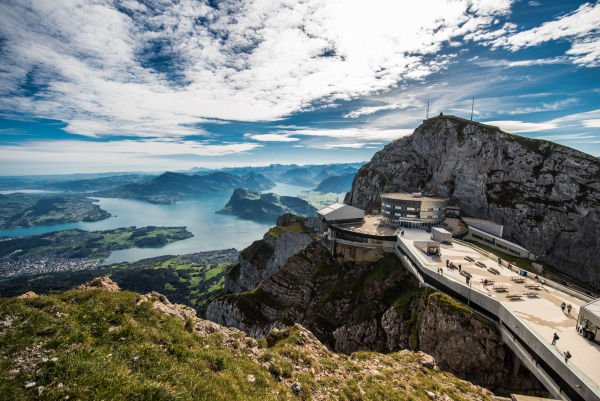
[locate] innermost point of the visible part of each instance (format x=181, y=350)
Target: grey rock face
x=547, y=196
x=263, y=258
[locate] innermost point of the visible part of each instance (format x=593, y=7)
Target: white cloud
x=251, y=60
x=513, y=126
x=580, y=27
x=370, y=110
x=273, y=137
x=593, y=123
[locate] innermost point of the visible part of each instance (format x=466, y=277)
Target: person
x=554, y=338
x=543, y=282
x=509, y=265
x=468, y=279
x=459, y=267
x=499, y=261
x=447, y=262
x=536, y=278
x=562, y=306
x=567, y=356
x=569, y=307
x=485, y=283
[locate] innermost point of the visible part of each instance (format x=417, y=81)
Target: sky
x=98, y=85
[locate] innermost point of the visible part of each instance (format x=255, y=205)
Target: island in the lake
x=69, y=250
x=265, y=207
x=27, y=210
x=171, y=187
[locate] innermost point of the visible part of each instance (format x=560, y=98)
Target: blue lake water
x=211, y=231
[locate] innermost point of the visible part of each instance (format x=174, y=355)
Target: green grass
x=98, y=345
x=296, y=227
x=149, y=356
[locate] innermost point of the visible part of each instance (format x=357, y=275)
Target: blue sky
x=94, y=86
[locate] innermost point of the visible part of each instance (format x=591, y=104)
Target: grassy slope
x=100, y=345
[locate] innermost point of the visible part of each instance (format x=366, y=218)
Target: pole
x=472, y=106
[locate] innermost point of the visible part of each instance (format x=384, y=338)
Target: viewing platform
x=527, y=312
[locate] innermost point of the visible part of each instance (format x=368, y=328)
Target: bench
x=493, y=271
x=466, y=274
x=470, y=259
x=480, y=264
x=530, y=294
x=533, y=286
x=513, y=296
x=518, y=279
x=499, y=288
x=489, y=282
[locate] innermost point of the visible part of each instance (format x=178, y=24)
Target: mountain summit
x=546, y=195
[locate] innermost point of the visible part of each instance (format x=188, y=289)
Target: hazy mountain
x=170, y=187
x=336, y=183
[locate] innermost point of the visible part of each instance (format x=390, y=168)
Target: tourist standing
x=554, y=338
x=567, y=355
x=459, y=268
x=543, y=282
x=563, y=306
x=569, y=307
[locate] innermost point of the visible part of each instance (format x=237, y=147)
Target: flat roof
x=411, y=196
x=499, y=239
x=441, y=230
x=341, y=211
x=373, y=225
x=480, y=221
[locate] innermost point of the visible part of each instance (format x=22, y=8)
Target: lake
x=211, y=231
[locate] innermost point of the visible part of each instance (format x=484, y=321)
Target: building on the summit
x=413, y=210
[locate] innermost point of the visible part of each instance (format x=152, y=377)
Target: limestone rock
x=104, y=283
x=27, y=295
x=546, y=195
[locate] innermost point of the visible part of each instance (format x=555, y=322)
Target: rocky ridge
x=161, y=350
x=546, y=195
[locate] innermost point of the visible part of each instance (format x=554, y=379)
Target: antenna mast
x=472, y=106
x=427, y=108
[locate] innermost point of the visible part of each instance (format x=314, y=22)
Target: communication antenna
x=427, y=108
x=472, y=106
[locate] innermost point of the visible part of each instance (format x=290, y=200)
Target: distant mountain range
x=265, y=207
x=170, y=187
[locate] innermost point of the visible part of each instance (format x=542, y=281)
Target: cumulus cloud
x=161, y=68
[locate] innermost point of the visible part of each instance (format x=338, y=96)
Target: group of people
x=451, y=265
x=568, y=307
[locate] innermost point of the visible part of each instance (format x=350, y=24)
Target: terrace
x=536, y=306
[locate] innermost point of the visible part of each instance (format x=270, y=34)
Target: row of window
x=437, y=209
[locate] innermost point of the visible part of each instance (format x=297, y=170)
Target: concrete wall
x=500, y=244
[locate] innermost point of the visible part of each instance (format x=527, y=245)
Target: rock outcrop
x=376, y=306
x=265, y=256
x=546, y=195
x=103, y=283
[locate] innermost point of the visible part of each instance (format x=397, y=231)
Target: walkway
x=540, y=312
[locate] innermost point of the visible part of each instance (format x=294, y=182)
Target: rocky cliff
x=546, y=195
x=377, y=306
x=265, y=256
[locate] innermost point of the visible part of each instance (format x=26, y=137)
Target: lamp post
x=469, y=299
